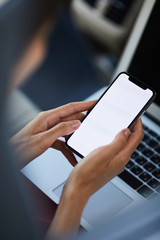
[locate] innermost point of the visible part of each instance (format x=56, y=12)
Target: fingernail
x=126, y=132
x=75, y=124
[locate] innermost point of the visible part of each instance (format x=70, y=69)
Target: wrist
x=75, y=191
x=67, y=219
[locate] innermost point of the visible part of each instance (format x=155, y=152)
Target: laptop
x=140, y=180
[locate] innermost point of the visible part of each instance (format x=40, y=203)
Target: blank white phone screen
x=115, y=111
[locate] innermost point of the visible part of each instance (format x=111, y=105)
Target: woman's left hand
x=43, y=132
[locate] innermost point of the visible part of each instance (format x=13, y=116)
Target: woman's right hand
x=90, y=174
x=106, y=162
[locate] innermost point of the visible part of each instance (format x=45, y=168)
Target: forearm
x=67, y=219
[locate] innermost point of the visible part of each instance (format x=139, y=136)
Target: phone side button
x=130, y=180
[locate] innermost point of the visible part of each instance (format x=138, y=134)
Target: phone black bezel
x=135, y=81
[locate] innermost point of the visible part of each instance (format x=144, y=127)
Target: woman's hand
x=89, y=175
x=106, y=162
x=43, y=132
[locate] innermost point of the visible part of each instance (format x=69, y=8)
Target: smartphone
x=119, y=107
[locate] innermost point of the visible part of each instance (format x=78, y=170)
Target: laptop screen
x=145, y=63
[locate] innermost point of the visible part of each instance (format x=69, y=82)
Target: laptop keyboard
x=142, y=172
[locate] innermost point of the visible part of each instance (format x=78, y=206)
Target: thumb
x=120, y=140
x=62, y=129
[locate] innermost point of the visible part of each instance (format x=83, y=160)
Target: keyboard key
x=145, y=191
x=145, y=176
x=155, y=158
x=153, y=183
x=153, y=133
x=141, y=160
x=136, y=170
x=152, y=143
x=156, y=173
x=134, y=155
x=148, y=153
x=130, y=179
x=146, y=137
x=145, y=128
x=150, y=167
x=140, y=147
x=157, y=149
x=130, y=164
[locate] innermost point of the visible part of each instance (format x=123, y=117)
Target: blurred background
x=83, y=53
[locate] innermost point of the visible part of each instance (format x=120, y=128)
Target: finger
x=120, y=141
x=133, y=140
x=76, y=116
x=61, y=129
x=60, y=146
x=136, y=136
x=56, y=115
x=113, y=148
x=74, y=107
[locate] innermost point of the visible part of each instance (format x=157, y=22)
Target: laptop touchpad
x=104, y=204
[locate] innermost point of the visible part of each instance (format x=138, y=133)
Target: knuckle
x=72, y=105
x=63, y=125
x=120, y=141
x=104, y=152
x=100, y=151
x=41, y=114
